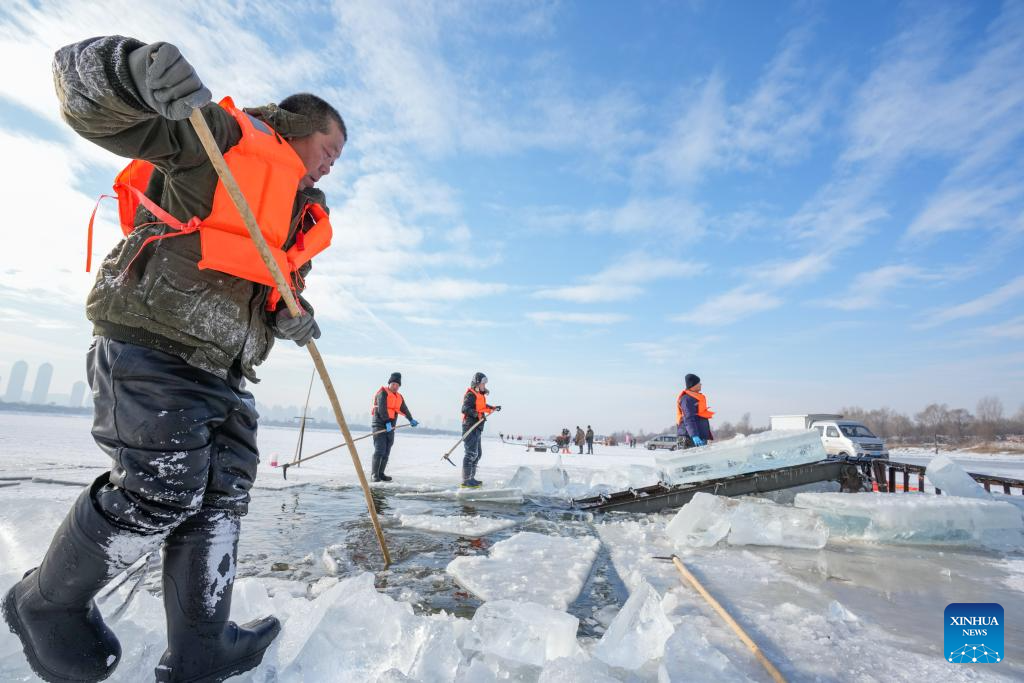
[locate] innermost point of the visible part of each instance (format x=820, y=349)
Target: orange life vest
x=268, y=171
x=702, y=405
x=481, y=403
x=394, y=403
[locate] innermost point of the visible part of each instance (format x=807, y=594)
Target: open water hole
x=308, y=532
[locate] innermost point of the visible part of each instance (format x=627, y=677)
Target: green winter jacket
x=212, y=320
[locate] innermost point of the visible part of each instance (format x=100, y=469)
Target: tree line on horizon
x=937, y=422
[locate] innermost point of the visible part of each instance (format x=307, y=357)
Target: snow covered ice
x=470, y=526
x=529, y=567
x=740, y=455
x=918, y=518
x=344, y=618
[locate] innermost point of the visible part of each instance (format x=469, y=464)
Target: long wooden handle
x=235, y=192
x=445, y=456
x=727, y=618
x=340, y=445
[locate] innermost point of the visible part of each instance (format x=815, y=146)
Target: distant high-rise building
x=42, y=386
x=77, y=394
x=16, y=384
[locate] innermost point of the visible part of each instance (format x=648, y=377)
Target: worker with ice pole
x=183, y=310
x=475, y=410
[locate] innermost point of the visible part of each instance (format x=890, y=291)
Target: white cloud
x=983, y=304
x=776, y=122
x=576, y=318
x=967, y=208
x=727, y=308
x=621, y=281
x=661, y=216
x=868, y=289
x=1009, y=329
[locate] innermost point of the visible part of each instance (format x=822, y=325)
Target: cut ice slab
x=740, y=455
x=529, y=567
x=707, y=519
x=470, y=526
x=522, y=632
x=638, y=633
x=506, y=495
x=765, y=523
x=918, y=518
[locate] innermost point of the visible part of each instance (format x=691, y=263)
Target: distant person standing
x=387, y=404
x=474, y=408
x=580, y=438
x=590, y=440
x=693, y=419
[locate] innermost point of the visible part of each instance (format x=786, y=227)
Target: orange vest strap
x=268, y=171
x=702, y=404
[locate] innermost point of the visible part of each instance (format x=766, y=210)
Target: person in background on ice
x=590, y=440
x=474, y=408
x=693, y=419
x=565, y=440
x=387, y=405
x=173, y=347
x=580, y=439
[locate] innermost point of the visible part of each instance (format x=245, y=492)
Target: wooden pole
x=235, y=192
x=302, y=427
x=727, y=618
x=284, y=468
x=445, y=456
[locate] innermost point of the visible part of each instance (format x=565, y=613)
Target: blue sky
x=809, y=205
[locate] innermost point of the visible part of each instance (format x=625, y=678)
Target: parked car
x=667, y=441
x=840, y=437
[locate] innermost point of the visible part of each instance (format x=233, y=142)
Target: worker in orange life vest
x=182, y=314
x=693, y=419
x=474, y=408
x=387, y=405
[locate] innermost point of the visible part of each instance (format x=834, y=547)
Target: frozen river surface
x=847, y=612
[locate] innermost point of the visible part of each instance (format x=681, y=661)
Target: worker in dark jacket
x=174, y=344
x=590, y=440
x=474, y=409
x=693, y=419
x=581, y=438
x=387, y=405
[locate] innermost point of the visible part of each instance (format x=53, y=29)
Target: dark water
x=287, y=534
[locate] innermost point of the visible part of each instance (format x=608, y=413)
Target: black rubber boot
x=52, y=609
x=467, y=477
x=476, y=482
x=375, y=467
x=199, y=576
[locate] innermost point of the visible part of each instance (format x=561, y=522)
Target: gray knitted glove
x=300, y=330
x=166, y=81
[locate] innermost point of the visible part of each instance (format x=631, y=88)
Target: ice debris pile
x=529, y=567
x=741, y=455
x=708, y=519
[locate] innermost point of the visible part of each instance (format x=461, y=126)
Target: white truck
x=839, y=437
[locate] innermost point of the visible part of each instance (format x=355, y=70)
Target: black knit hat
x=395, y=377
x=477, y=378
x=692, y=381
